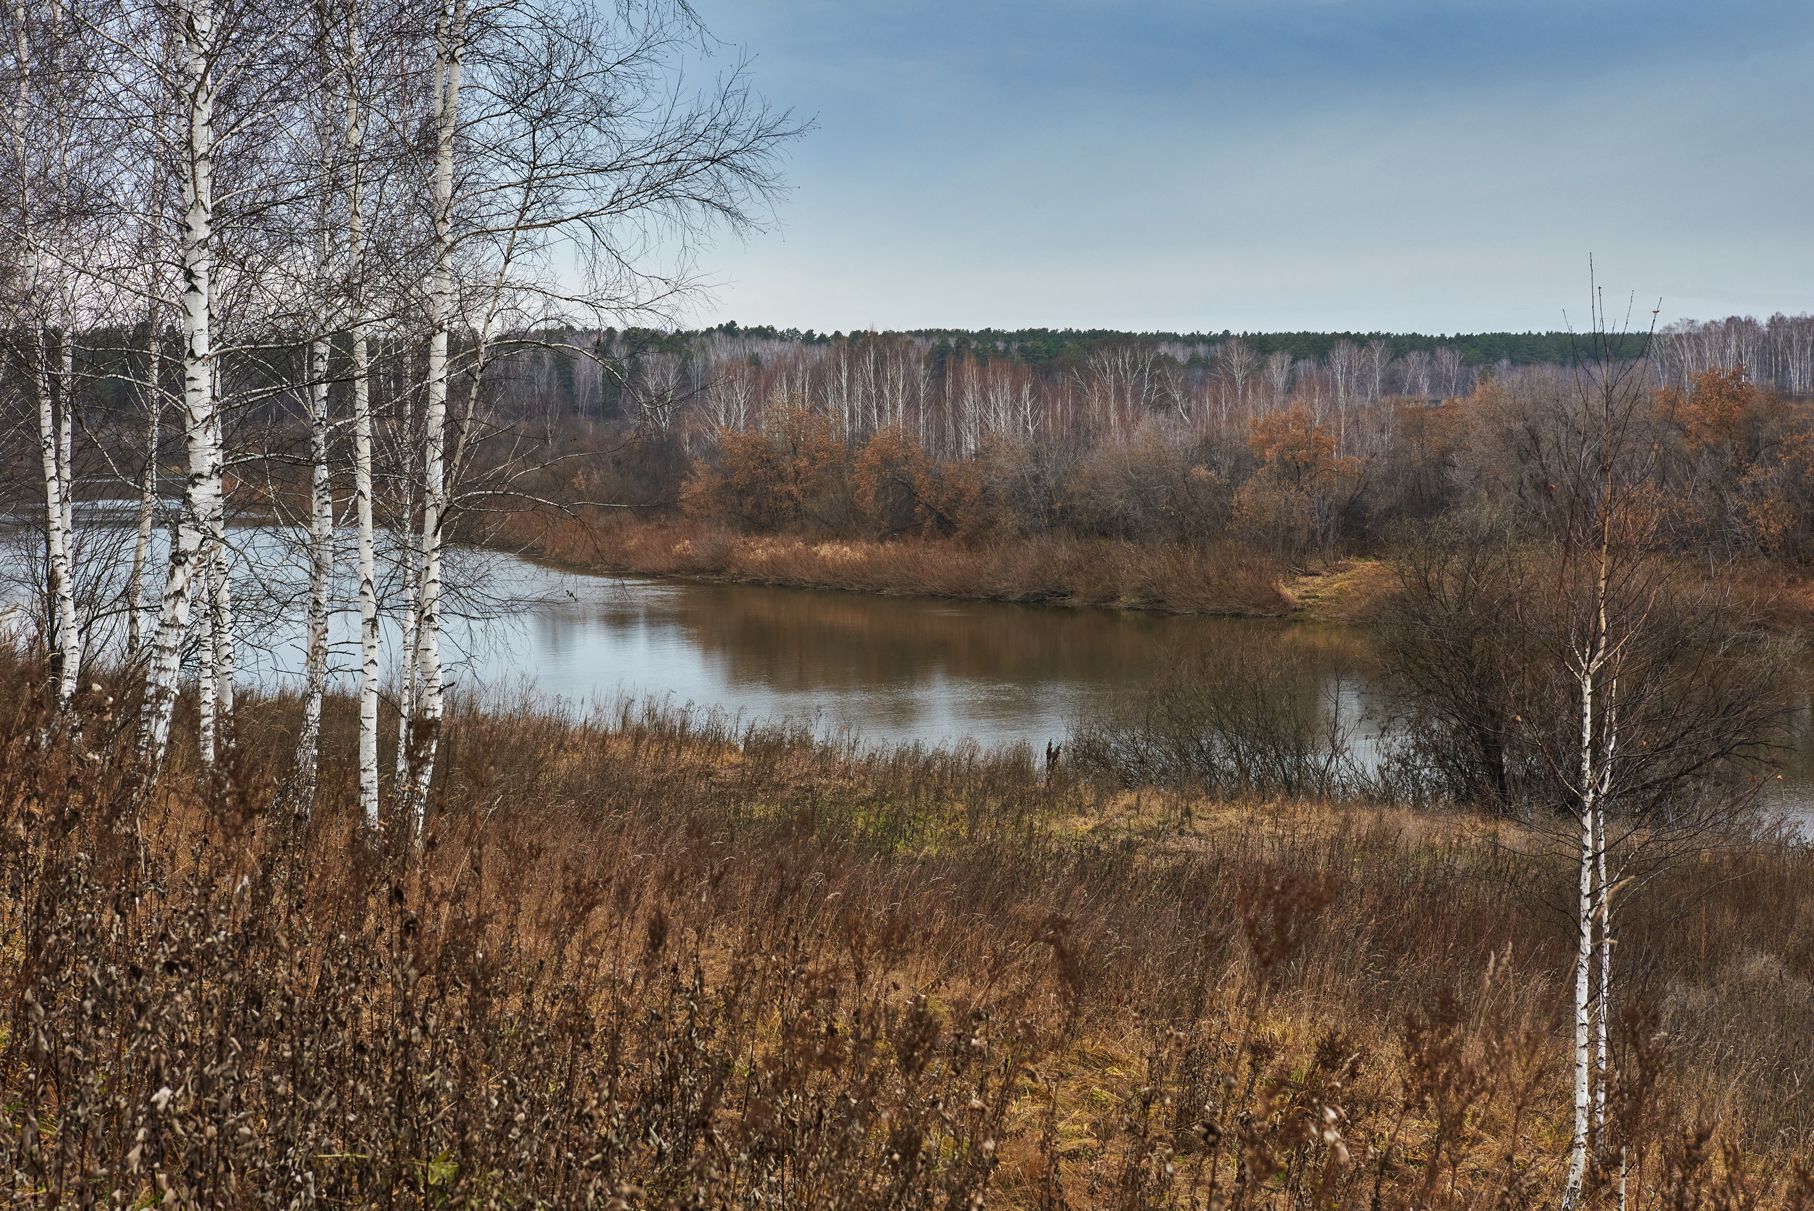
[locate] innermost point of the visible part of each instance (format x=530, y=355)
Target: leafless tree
x=558, y=127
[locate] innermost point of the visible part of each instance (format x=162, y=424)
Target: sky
x=1265, y=165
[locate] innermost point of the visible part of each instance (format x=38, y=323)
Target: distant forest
x=954, y=387
x=1296, y=445
x=1062, y=346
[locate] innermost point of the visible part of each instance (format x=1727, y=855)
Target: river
x=881, y=670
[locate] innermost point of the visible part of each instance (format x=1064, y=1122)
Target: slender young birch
x=61, y=619
x=321, y=566
x=66, y=411
x=631, y=156
x=360, y=373
x=206, y=707
x=407, y=531
x=1588, y=672
x=220, y=582
x=1599, y=654
x=195, y=37
x=407, y=679
x=138, y=619
x=1603, y=911
x=220, y=616
x=368, y=576
x=53, y=443
x=1603, y=920
x=450, y=49
x=324, y=148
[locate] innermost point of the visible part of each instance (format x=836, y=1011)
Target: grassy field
x=644, y=961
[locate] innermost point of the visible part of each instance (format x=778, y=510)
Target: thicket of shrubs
x=1288, y=492
x=1732, y=470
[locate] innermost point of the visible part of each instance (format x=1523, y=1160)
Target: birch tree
x=151, y=398
x=197, y=41
x=1674, y=708
x=37, y=130
x=555, y=128
x=239, y=52
x=332, y=158
x=352, y=76
x=451, y=33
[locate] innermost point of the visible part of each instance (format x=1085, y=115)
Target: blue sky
x=1275, y=164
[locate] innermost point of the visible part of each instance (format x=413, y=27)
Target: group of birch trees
x=300, y=235
x=954, y=391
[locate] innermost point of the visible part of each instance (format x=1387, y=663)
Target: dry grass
x=647, y=962
x=1346, y=592
x=1225, y=578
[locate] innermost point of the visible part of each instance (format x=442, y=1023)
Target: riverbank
x=1220, y=579
x=1224, y=579
x=648, y=958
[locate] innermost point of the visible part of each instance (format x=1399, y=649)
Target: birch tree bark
x=220, y=583
x=407, y=679
x=66, y=412
x=360, y=375
x=368, y=577
x=1600, y=530
x=321, y=566
x=425, y=728
x=53, y=441
x=1585, y=899
x=139, y=619
x=60, y=614
x=195, y=38
x=204, y=690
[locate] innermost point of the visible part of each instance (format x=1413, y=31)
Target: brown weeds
x=645, y=961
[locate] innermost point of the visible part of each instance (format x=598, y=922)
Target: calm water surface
x=886, y=670
x=890, y=669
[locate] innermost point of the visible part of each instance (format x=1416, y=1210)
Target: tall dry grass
x=646, y=960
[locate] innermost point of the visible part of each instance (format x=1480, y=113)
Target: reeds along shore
x=648, y=960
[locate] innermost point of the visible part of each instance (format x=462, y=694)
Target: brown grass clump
x=647, y=962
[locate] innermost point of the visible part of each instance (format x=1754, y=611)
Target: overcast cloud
x=1275, y=164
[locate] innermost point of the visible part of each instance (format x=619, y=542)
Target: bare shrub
x=1471, y=642
x=1231, y=724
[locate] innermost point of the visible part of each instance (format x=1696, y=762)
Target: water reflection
x=890, y=669
x=894, y=669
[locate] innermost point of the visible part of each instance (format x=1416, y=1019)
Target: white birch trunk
x=63, y=648
x=202, y=491
x=368, y=579
x=362, y=436
x=1584, y=938
x=1603, y=920
x=1602, y=1003
x=138, y=620
x=321, y=564
x=66, y=412
x=408, y=536
x=60, y=598
x=204, y=690
x=220, y=597
x=426, y=728
x=406, y=674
